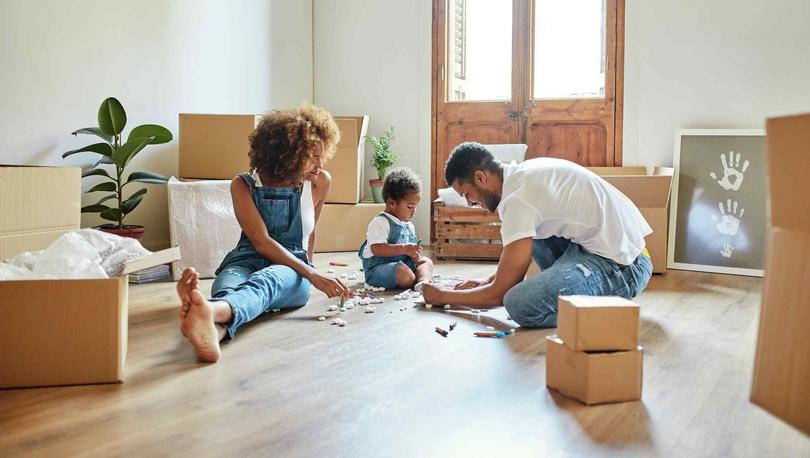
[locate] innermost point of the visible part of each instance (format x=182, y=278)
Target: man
x=584, y=234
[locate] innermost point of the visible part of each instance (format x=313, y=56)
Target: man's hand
x=473, y=283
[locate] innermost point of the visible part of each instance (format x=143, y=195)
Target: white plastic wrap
x=202, y=224
x=84, y=253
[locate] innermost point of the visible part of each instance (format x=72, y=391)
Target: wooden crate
x=466, y=233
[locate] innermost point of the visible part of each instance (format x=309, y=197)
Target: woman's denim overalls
x=247, y=281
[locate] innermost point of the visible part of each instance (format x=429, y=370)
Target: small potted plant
x=382, y=159
x=116, y=154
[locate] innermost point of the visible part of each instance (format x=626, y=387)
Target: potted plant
x=116, y=154
x=382, y=159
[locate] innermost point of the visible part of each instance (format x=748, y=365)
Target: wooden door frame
x=438, y=58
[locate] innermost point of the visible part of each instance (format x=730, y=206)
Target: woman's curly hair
x=283, y=144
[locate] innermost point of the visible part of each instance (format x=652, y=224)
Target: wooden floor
x=388, y=385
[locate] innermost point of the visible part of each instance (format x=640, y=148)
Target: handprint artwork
x=727, y=249
x=732, y=173
x=729, y=221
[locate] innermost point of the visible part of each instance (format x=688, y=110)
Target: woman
x=277, y=207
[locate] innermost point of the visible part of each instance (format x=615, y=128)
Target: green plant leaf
x=159, y=134
x=112, y=214
x=106, y=198
x=94, y=131
x=133, y=201
x=99, y=172
x=111, y=116
x=106, y=186
x=95, y=208
x=103, y=160
x=128, y=150
x=99, y=148
x=146, y=177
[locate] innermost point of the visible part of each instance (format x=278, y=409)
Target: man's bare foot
x=189, y=281
x=199, y=328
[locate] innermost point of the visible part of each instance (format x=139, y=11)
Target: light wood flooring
x=388, y=385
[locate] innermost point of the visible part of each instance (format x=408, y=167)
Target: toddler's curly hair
x=400, y=182
x=283, y=144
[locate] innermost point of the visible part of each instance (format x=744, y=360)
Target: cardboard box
x=593, y=378
x=214, y=146
x=202, y=224
x=650, y=193
x=67, y=332
x=343, y=227
x=346, y=166
x=781, y=382
x=37, y=206
x=597, y=323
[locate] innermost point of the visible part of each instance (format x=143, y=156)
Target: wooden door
x=489, y=118
x=572, y=96
x=553, y=120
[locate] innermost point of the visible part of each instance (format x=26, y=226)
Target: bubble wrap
x=202, y=224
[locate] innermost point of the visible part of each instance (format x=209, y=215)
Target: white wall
x=710, y=64
x=60, y=59
x=373, y=57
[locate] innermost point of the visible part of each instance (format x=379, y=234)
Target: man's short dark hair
x=400, y=182
x=465, y=159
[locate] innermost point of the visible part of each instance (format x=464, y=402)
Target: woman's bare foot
x=199, y=328
x=188, y=282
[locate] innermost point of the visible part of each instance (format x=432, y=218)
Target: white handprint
x=730, y=172
x=729, y=221
x=727, y=249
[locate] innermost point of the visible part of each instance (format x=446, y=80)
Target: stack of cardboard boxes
x=595, y=357
x=344, y=219
x=782, y=370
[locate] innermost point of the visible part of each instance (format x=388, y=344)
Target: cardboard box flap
x=609, y=171
x=155, y=259
x=644, y=191
x=788, y=143
x=352, y=130
x=27, y=201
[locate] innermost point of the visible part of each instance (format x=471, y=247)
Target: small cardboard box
x=346, y=166
x=781, y=382
x=214, y=146
x=593, y=378
x=67, y=332
x=597, y=323
x=37, y=206
x=650, y=193
x=343, y=227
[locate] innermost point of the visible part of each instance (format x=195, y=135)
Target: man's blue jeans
x=568, y=269
x=252, y=288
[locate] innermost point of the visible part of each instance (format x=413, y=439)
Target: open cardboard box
x=346, y=166
x=67, y=332
x=781, y=383
x=650, y=193
x=37, y=206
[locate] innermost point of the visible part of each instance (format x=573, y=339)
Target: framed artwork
x=719, y=215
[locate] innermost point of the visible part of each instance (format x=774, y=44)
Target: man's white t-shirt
x=379, y=229
x=547, y=197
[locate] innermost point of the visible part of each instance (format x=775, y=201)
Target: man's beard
x=491, y=199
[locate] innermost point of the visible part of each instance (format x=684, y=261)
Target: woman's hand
x=473, y=283
x=332, y=287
